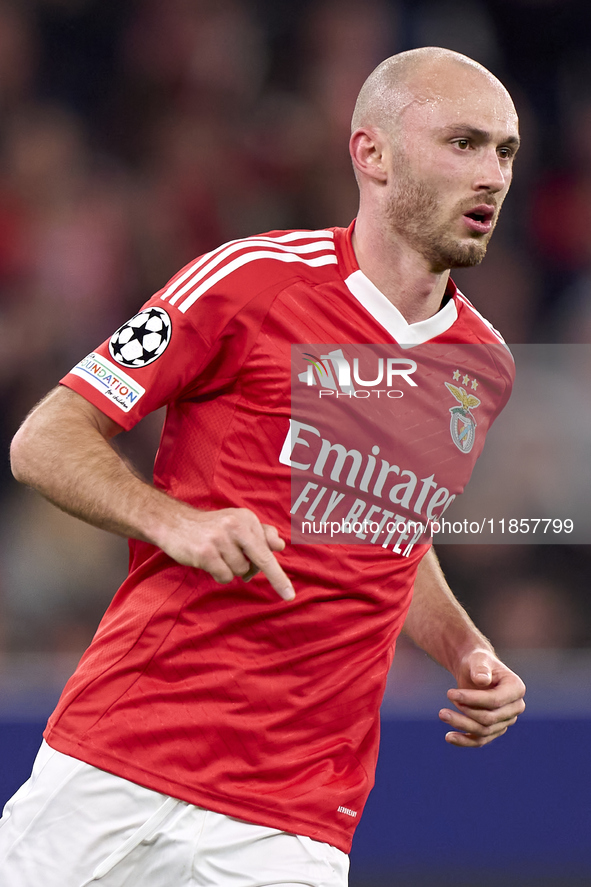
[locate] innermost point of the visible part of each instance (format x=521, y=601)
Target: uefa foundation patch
x=111, y=381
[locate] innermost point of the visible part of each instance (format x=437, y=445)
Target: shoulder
x=474, y=325
x=474, y=329
x=242, y=268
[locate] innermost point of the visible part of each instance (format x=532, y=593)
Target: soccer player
x=222, y=727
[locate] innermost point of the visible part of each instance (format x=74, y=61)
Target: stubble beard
x=415, y=215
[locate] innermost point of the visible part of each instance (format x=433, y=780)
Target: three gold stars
x=465, y=380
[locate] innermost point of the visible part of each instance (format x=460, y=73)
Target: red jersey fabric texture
x=223, y=695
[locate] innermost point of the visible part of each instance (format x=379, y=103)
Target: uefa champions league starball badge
x=141, y=340
x=462, y=423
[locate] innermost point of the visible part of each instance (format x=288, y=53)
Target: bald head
x=419, y=75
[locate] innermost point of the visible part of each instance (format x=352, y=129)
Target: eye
x=462, y=144
x=505, y=153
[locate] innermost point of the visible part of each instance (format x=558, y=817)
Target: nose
x=490, y=174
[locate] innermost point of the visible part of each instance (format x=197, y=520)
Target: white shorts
x=71, y=825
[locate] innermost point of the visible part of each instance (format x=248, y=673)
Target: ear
x=368, y=149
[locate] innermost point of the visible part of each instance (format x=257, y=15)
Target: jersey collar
x=384, y=312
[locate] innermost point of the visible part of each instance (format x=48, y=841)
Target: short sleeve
x=193, y=337
x=163, y=355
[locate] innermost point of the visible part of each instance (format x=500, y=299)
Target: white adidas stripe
x=303, y=249
x=290, y=237
x=253, y=257
x=486, y=322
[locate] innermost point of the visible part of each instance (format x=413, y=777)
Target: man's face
x=451, y=167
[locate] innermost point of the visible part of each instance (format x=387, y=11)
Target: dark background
x=136, y=135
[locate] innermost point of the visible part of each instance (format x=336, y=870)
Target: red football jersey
x=224, y=695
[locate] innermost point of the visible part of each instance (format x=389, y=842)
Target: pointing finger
x=262, y=558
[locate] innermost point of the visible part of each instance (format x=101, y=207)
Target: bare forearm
x=437, y=622
x=62, y=453
x=62, y=450
x=489, y=696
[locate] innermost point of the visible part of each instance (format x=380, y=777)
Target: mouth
x=480, y=219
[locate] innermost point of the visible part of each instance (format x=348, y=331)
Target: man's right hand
x=226, y=543
x=63, y=451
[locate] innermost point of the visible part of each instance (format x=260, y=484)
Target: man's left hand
x=489, y=698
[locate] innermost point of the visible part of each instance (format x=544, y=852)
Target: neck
x=400, y=273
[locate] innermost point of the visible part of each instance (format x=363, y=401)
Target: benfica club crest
x=462, y=424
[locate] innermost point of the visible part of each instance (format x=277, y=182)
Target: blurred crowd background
x=136, y=134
